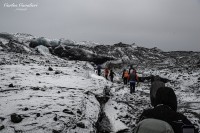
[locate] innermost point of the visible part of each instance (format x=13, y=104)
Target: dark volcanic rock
x=35, y=88
x=80, y=124
x=79, y=112
x=199, y=79
x=56, y=131
x=79, y=53
x=38, y=114
x=2, y=118
x=11, y=85
x=68, y=111
x=15, y=118
x=37, y=74
x=25, y=109
x=2, y=127
x=198, y=63
x=50, y=69
x=55, y=118
x=120, y=44
x=6, y=36
x=59, y=50
x=58, y=72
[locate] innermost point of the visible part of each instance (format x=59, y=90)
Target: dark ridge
x=120, y=44
x=6, y=36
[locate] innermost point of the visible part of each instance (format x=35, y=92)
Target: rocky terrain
x=51, y=86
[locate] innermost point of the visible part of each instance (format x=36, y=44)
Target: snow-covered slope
x=99, y=53
x=48, y=99
x=52, y=85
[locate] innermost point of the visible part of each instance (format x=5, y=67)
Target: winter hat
x=166, y=96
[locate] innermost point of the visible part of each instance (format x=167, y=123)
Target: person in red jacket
x=125, y=76
x=106, y=73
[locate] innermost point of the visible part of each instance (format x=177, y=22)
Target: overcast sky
x=166, y=24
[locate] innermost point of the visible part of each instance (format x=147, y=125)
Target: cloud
x=167, y=24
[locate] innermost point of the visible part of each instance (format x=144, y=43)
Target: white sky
x=166, y=24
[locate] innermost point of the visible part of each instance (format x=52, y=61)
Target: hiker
x=166, y=110
x=132, y=79
x=130, y=69
x=157, y=83
x=99, y=70
x=106, y=73
x=111, y=75
x=125, y=76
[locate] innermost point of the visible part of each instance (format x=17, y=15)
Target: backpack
x=106, y=71
x=132, y=77
x=126, y=75
x=153, y=126
x=178, y=125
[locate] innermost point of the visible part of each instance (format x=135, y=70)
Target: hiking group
x=107, y=72
x=131, y=77
x=128, y=76
x=163, y=117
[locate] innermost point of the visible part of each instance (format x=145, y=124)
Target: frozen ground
x=48, y=100
x=64, y=99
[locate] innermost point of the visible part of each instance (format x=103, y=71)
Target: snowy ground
x=48, y=101
x=63, y=100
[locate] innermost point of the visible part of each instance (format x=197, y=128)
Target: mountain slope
x=99, y=54
x=52, y=85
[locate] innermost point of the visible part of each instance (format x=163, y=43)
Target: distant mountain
x=117, y=54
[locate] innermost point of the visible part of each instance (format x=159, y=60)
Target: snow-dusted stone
x=27, y=49
x=15, y=118
x=43, y=50
x=50, y=69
